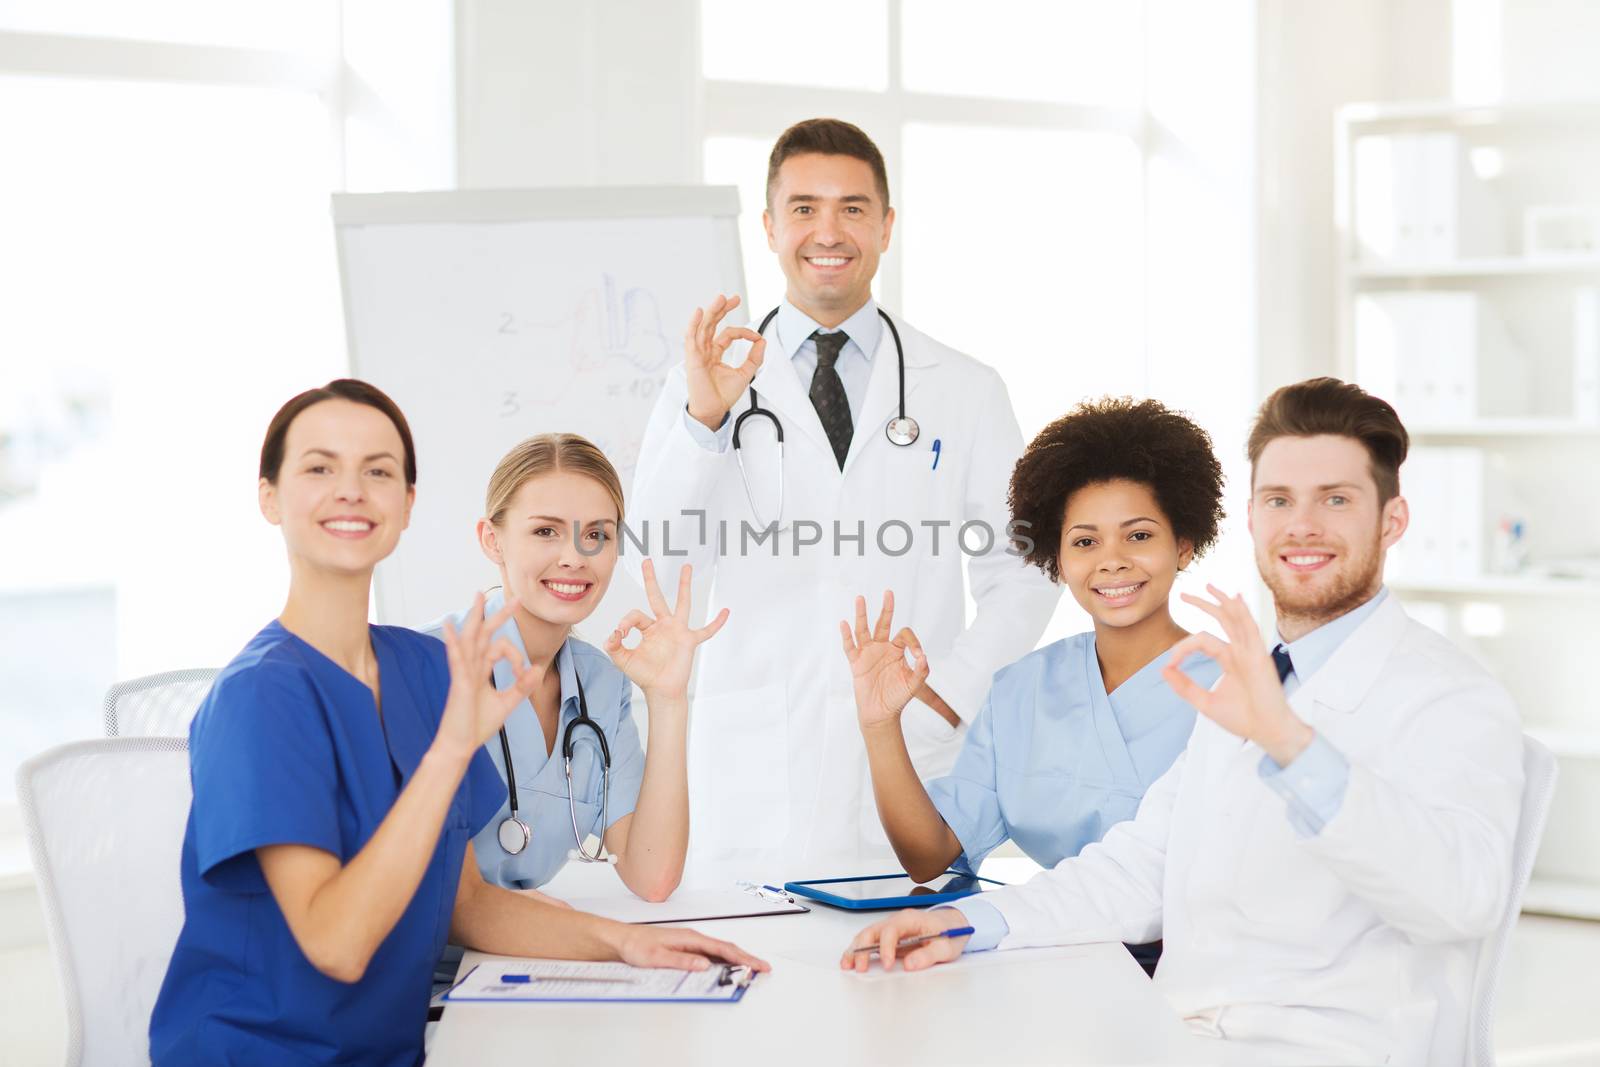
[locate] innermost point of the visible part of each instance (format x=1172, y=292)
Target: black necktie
x=1280, y=659
x=827, y=393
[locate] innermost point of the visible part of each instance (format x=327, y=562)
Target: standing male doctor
x=778, y=779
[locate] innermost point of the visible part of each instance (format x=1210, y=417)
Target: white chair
x=1539, y=785
x=157, y=705
x=105, y=822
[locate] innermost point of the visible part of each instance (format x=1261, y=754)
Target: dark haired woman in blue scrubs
x=339, y=777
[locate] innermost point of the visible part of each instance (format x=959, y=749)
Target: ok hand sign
x=884, y=684
x=474, y=710
x=1248, y=699
x=661, y=664
x=714, y=387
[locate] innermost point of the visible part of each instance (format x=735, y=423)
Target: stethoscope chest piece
x=902, y=431
x=514, y=835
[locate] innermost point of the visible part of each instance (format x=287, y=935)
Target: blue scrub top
x=1052, y=761
x=541, y=776
x=289, y=748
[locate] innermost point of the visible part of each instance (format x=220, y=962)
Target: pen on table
x=936, y=446
x=523, y=979
x=913, y=942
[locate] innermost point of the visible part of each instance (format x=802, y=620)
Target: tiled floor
x=1549, y=1000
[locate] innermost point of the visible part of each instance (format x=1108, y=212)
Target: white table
x=1089, y=1004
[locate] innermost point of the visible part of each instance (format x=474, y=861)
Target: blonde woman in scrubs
x=550, y=527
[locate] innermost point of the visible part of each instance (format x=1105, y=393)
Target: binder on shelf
x=1419, y=200
x=1447, y=490
x=1586, y=354
x=1421, y=350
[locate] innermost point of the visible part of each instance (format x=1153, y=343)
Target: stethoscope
x=515, y=834
x=901, y=431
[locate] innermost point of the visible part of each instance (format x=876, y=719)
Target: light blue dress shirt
x=1052, y=761
x=1313, y=785
x=541, y=776
x=793, y=340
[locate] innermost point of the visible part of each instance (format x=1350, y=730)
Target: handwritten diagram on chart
x=610, y=350
x=489, y=333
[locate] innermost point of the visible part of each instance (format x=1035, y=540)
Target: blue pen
x=936, y=445
x=524, y=979
x=913, y=942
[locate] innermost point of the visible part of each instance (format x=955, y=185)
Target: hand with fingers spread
x=1248, y=699
x=661, y=663
x=714, y=386
x=474, y=710
x=660, y=946
x=884, y=682
x=902, y=926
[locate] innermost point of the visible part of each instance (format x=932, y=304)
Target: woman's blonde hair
x=541, y=455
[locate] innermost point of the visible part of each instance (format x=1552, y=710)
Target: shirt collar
x=1310, y=652
x=795, y=328
x=493, y=601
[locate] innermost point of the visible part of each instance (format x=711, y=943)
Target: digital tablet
x=882, y=891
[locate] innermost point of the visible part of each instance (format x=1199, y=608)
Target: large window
x=1062, y=207
x=169, y=280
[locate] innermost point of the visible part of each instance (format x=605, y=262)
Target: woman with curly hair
x=1116, y=498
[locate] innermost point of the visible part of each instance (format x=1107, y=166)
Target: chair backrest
x=105, y=822
x=1538, y=787
x=157, y=705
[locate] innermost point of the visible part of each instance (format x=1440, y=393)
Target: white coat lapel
x=779, y=388
x=883, y=388
x=1342, y=683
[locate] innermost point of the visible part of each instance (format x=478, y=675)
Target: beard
x=1360, y=572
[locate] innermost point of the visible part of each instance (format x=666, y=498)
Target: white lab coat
x=1359, y=944
x=778, y=781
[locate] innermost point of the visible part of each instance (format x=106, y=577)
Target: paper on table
x=571, y=980
x=692, y=905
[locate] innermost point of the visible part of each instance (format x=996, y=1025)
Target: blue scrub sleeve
x=264, y=773
x=484, y=790
x=627, y=759
x=969, y=798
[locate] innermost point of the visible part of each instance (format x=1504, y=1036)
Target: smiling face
x=556, y=578
x=1118, y=553
x=827, y=222
x=341, y=495
x=1320, y=532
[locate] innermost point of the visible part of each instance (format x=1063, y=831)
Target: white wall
x=558, y=93
x=1313, y=59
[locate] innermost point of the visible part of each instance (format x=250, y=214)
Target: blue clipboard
x=880, y=892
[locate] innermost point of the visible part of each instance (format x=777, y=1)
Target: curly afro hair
x=1116, y=438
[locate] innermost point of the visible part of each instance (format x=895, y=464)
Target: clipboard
x=691, y=906
x=508, y=980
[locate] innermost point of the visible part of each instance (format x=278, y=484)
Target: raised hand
x=884, y=683
x=902, y=926
x=1248, y=699
x=661, y=664
x=714, y=386
x=474, y=710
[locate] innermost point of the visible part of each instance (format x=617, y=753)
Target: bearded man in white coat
x=850, y=503
x=1327, y=855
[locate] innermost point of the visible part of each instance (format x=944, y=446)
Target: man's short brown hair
x=827, y=137
x=1328, y=406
